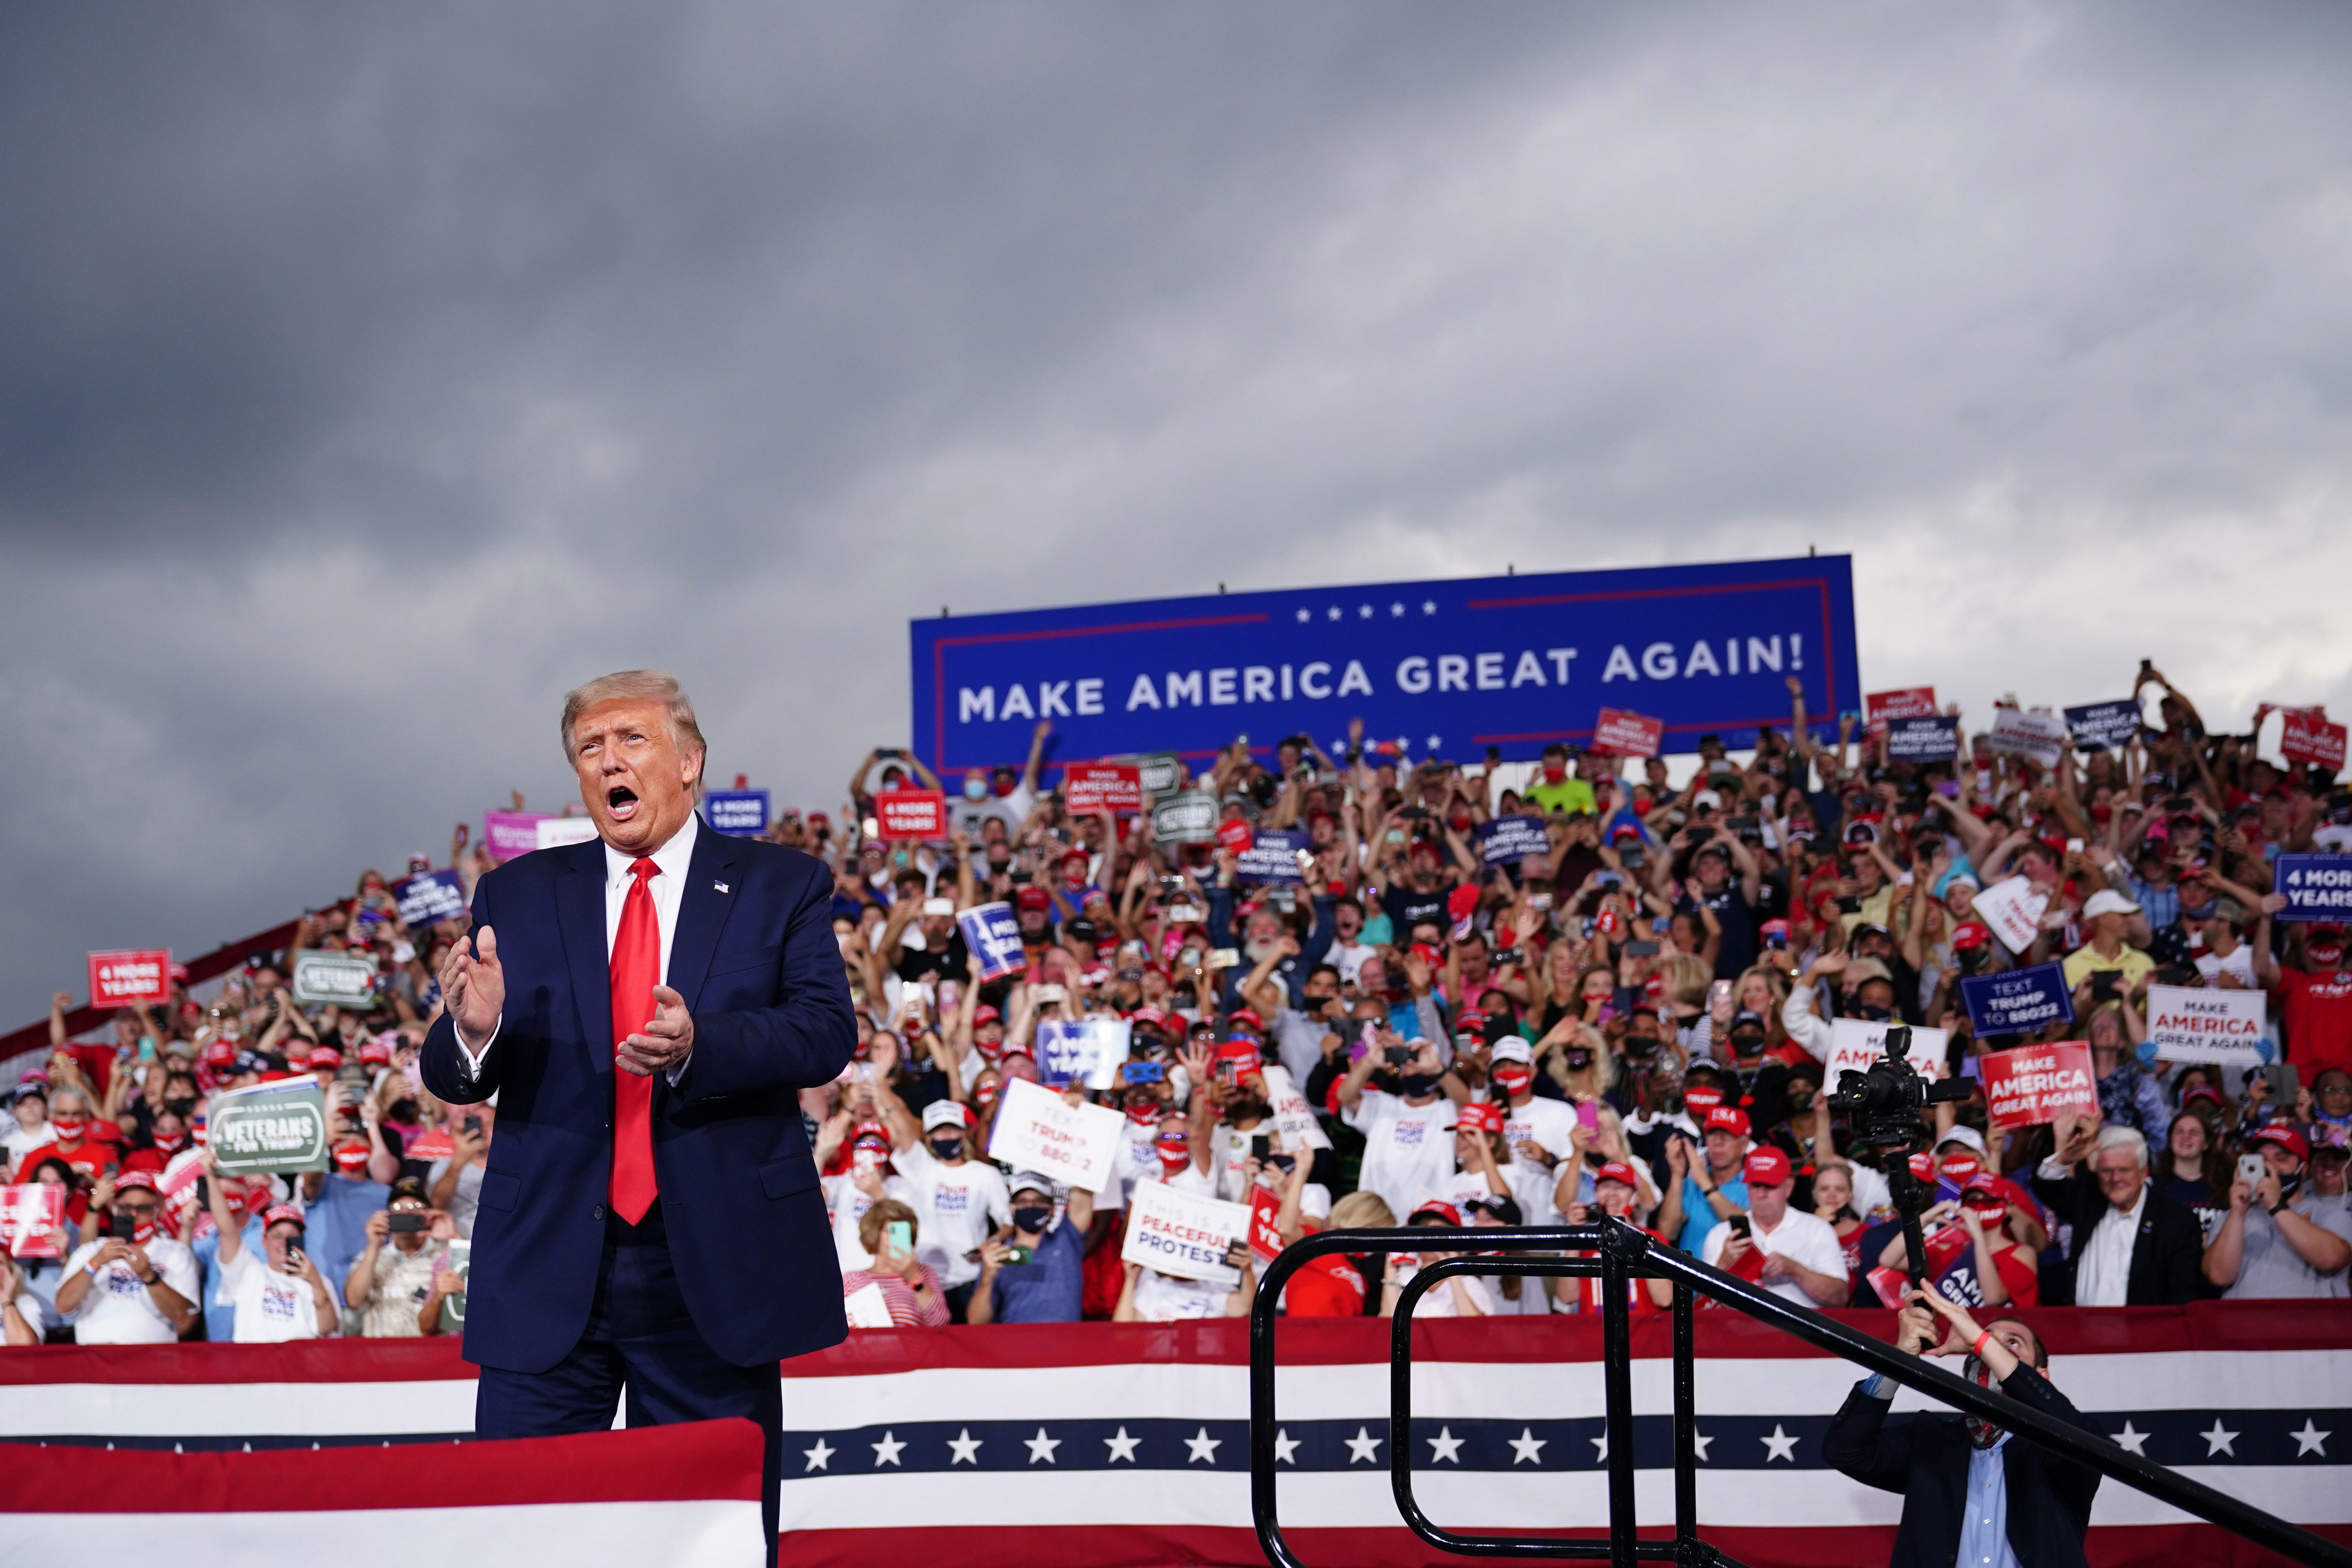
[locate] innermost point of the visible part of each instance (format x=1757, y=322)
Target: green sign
x=344, y=979
x=274, y=1127
x=1160, y=774
x=1187, y=818
x=453, y=1308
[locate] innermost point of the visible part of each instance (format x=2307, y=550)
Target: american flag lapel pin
x=718, y=887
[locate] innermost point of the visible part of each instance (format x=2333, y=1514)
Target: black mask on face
x=1579, y=1058
x=1876, y=1014
x=1416, y=1084
x=402, y=1110
x=1032, y=1221
x=1747, y=1045
x=948, y=1148
x=181, y=1107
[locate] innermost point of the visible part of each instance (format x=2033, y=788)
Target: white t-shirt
x=1548, y=1123
x=849, y=1206
x=118, y=1310
x=1438, y=1300
x=1408, y=1149
x=959, y=1206
x=1800, y=1237
x=271, y=1307
x=29, y=1307
x=1348, y=958
x=2239, y=966
x=1531, y=1189
x=21, y=1141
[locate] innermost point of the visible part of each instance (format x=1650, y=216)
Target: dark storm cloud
x=369, y=376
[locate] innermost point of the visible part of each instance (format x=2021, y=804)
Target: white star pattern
x=2310, y=1440
x=1599, y=1448
x=1335, y=612
x=1363, y=1448
x=1365, y=611
x=1305, y=614
x=1122, y=1446
x=1445, y=1448
x=1337, y=746
x=2132, y=1441
x=1397, y=608
x=2218, y=1441
x=1040, y=1447
x=886, y=1451
x=1285, y=1447
x=1526, y=1448
x=1778, y=1446
x=1404, y=744
x=963, y=1448
x=1434, y=743
x=1429, y=606
x=1699, y=1440
x=1203, y=1446
x=817, y=1455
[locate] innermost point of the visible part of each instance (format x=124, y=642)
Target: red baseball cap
x=1723, y=1117
x=1469, y=1019
x=1246, y=1017
x=1480, y=1117
x=1036, y=899
x=277, y=1211
x=374, y=1053
x=1983, y=1193
x=2281, y=1136
x=1617, y=1171
x=1970, y=934
x=1439, y=1207
x=143, y=1179
x=984, y=1013
x=1765, y=1167
x=324, y=1057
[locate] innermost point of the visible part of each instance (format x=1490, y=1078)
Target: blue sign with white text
x=2017, y=1000
x=1434, y=669
x=739, y=813
x=2317, y=887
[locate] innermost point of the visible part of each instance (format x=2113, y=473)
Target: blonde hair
x=1362, y=1211
x=1687, y=978
x=643, y=686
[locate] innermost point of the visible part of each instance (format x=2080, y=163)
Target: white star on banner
x=1365, y=611
x=1599, y=1448
x=1397, y=608
x=1040, y=1447
x=1404, y=744
x=1699, y=1440
x=1335, y=612
x=1778, y=1446
x=1446, y=1447
x=1203, y=1446
x=1526, y=1448
x=1429, y=606
x=963, y=1447
x=1337, y=746
x=1434, y=743
x=1305, y=614
x=2218, y=1441
x=1122, y=1446
x=1285, y=1447
x=2310, y=1440
x=886, y=1451
x=2132, y=1441
x=1363, y=1448
x=817, y=1455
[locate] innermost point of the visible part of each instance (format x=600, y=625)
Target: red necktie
x=635, y=970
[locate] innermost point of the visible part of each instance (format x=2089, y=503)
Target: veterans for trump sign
x=2193, y=1024
x=1432, y=667
x=2035, y=1084
x=269, y=1126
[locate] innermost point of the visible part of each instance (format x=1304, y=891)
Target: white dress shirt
x=2104, y=1277
x=667, y=887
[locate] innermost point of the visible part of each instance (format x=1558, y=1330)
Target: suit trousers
x=639, y=1340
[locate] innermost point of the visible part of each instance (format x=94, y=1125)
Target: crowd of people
x=1633, y=1020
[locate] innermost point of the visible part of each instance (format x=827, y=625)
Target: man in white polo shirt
x=1788, y=1251
x=137, y=1286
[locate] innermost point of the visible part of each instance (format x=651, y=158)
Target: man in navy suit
x=646, y=1006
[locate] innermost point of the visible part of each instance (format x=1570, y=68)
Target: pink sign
x=511, y=835
x=29, y=1216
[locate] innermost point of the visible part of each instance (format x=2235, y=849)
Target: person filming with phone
x=1973, y=1495
x=278, y=1293
x=407, y=1242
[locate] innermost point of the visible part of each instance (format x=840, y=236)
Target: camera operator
x=1971, y=1494
x=406, y=1242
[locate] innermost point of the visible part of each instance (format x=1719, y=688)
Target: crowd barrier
x=676, y=1495
x=1103, y=1446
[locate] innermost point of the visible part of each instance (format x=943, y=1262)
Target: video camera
x=1882, y=1104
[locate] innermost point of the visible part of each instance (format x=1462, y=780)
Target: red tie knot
x=643, y=869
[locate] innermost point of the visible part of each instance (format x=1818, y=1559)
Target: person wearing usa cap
x=647, y=1007
x=1801, y=1257
x=2280, y=1240
x=277, y=1292
x=1702, y=1192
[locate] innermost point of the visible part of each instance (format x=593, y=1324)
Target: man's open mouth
x=621, y=801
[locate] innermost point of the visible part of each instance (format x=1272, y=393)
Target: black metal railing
x=1617, y=1254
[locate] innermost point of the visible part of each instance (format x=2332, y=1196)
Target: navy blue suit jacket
x=755, y=959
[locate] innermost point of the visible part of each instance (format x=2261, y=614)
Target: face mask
x=1416, y=1084
x=1875, y=1015
x=172, y=1144
x=1175, y=1157
x=975, y=789
x=948, y=1148
x=1554, y=773
x=1032, y=1221
x=403, y=1111
x=1747, y=1045
x=1579, y=1058
x=1514, y=1080
x=181, y=1106
x=68, y=1128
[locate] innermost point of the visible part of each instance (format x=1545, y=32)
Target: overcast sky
x=368, y=376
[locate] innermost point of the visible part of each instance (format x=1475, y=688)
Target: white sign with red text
x=2194, y=1024
x=1855, y=1042
x=2035, y=734
x=1293, y=1117
x=1183, y=1235
x=1038, y=1130
x=2013, y=908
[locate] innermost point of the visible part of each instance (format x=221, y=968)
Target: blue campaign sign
x=1435, y=669
x=429, y=897
x=739, y=813
x=2104, y=726
x=2017, y=1001
x=1271, y=856
x=993, y=936
x=2317, y=887
x=1510, y=840
x=1082, y=1050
